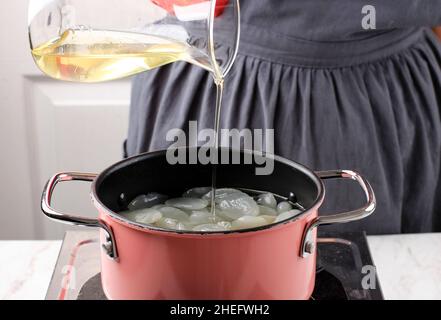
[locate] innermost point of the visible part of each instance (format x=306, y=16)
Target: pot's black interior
x=150, y=172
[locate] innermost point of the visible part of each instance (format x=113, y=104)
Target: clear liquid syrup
x=102, y=55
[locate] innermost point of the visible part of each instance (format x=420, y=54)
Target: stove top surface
x=342, y=258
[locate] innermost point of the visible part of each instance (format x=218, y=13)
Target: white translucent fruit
x=210, y=227
x=284, y=206
x=196, y=192
x=287, y=214
x=225, y=224
x=267, y=211
x=235, y=210
x=267, y=200
x=167, y=223
x=269, y=219
x=247, y=222
x=221, y=194
x=146, y=201
x=202, y=217
x=173, y=213
x=146, y=216
x=233, y=204
x=181, y=226
x=187, y=203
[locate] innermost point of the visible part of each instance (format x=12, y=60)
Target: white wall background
x=47, y=126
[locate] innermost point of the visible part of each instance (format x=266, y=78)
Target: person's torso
x=318, y=33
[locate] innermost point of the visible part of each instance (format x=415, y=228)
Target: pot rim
x=142, y=227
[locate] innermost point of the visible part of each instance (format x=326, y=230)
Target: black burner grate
x=327, y=287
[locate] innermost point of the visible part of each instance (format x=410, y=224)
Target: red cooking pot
x=277, y=261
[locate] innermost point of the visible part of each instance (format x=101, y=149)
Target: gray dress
x=338, y=97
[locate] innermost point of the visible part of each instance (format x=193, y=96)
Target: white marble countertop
x=26, y=268
x=408, y=266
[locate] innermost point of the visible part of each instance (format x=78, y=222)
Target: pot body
x=270, y=262
x=256, y=265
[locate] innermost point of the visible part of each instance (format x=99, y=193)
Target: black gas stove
x=344, y=262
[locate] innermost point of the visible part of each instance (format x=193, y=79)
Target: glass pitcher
x=100, y=40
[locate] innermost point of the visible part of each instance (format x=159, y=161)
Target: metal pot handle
x=308, y=245
x=49, y=211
